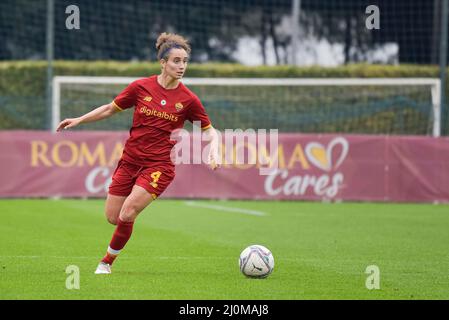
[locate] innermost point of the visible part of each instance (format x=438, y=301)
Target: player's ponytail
x=167, y=41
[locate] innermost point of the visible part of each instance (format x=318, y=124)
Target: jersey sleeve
x=198, y=113
x=127, y=98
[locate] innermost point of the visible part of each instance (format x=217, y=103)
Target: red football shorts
x=155, y=179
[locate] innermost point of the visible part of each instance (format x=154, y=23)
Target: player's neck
x=167, y=82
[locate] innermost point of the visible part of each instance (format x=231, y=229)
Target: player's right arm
x=126, y=99
x=97, y=114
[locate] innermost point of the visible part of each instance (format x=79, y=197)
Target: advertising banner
x=327, y=167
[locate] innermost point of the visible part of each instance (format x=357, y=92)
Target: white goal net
x=407, y=106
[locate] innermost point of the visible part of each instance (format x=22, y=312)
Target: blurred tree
x=22, y=29
x=120, y=30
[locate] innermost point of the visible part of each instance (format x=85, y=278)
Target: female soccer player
x=161, y=104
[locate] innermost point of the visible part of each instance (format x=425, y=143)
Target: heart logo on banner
x=321, y=157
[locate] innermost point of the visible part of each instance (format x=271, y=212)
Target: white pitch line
x=222, y=208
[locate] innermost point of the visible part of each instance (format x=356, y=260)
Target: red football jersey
x=158, y=111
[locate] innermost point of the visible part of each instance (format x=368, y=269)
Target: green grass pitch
x=180, y=251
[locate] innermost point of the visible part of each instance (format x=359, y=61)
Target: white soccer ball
x=256, y=261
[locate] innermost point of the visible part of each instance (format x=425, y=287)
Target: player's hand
x=213, y=163
x=68, y=123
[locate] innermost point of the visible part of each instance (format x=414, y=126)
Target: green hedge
x=23, y=83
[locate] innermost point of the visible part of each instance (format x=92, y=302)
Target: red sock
x=120, y=237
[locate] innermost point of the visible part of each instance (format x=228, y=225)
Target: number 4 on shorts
x=155, y=176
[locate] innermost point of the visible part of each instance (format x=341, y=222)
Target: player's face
x=176, y=64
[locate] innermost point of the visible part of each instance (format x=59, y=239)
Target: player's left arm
x=198, y=113
x=210, y=134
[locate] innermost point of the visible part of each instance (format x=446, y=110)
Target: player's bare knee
x=129, y=213
x=111, y=216
x=111, y=220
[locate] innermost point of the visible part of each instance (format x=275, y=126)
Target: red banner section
x=309, y=167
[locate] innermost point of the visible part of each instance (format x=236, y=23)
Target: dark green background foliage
x=376, y=110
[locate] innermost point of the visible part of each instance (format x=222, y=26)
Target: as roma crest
x=179, y=106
